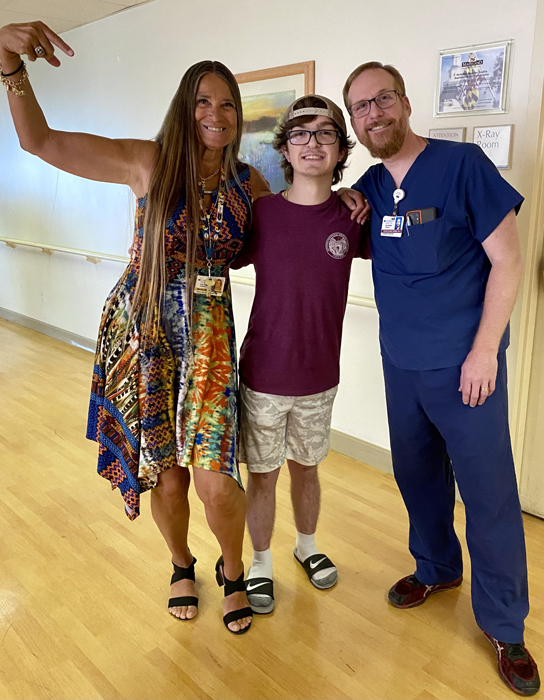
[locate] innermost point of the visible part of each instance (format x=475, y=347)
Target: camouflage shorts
x=276, y=428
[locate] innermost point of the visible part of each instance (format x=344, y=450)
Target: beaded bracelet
x=15, y=86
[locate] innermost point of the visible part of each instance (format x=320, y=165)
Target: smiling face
x=314, y=159
x=382, y=131
x=215, y=113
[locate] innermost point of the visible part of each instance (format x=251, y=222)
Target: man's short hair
x=280, y=136
x=371, y=65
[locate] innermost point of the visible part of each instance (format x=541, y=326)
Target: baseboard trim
x=343, y=443
x=52, y=331
x=362, y=451
x=366, y=452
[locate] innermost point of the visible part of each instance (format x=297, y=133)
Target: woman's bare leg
x=170, y=509
x=225, y=505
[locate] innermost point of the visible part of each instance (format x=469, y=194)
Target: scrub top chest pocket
x=425, y=249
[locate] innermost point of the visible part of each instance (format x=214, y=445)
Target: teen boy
x=302, y=245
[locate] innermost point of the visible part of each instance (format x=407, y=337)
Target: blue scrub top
x=430, y=283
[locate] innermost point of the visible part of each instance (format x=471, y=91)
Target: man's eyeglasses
x=383, y=101
x=302, y=137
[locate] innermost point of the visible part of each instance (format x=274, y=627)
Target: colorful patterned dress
x=175, y=403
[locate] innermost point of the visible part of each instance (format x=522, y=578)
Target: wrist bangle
x=7, y=75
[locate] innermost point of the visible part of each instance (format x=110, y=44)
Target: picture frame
x=265, y=95
x=496, y=143
x=452, y=134
x=473, y=79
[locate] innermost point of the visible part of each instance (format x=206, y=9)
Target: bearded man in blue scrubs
x=446, y=268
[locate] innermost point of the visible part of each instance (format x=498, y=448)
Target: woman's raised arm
x=123, y=161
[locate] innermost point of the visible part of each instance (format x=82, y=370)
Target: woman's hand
x=354, y=200
x=123, y=161
x=24, y=39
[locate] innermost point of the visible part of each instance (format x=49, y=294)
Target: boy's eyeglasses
x=302, y=137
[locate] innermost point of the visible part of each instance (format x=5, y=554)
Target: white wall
x=126, y=69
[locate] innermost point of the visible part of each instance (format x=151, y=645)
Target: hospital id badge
x=392, y=226
x=210, y=286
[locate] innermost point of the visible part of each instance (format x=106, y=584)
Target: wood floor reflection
x=83, y=591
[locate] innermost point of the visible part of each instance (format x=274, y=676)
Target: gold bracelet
x=16, y=85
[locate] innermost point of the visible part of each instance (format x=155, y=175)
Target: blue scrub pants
x=429, y=426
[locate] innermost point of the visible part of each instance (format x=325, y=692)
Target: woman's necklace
x=210, y=285
x=202, y=180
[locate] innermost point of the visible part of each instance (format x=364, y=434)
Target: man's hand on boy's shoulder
x=356, y=203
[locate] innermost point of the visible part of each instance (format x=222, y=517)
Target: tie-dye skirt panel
x=159, y=408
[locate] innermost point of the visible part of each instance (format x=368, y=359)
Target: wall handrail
x=95, y=257
x=90, y=255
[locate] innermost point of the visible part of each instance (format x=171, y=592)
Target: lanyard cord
x=211, y=237
x=398, y=196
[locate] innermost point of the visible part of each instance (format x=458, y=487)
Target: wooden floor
x=83, y=591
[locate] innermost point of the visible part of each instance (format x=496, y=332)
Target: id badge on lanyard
x=392, y=226
x=211, y=285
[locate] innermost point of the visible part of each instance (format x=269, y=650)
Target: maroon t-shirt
x=302, y=257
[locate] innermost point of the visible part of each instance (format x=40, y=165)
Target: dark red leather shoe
x=517, y=667
x=409, y=592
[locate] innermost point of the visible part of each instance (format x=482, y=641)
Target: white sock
x=305, y=547
x=261, y=566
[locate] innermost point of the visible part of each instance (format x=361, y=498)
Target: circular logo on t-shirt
x=337, y=245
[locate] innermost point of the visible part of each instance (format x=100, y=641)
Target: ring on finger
x=484, y=389
x=39, y=51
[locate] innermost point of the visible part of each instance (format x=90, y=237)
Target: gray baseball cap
x=331, y=110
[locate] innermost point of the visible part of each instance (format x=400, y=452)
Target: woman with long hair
x=164, y=384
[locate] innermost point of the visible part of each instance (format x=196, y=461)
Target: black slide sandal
x=315, y=563
x=260, y=594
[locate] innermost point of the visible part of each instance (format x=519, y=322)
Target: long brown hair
x=175, y=174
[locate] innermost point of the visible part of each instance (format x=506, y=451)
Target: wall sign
x=448, y=134
x=495, y=141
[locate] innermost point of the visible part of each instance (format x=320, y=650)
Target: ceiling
x=61, y=15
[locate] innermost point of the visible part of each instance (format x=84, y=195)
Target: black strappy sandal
x=232, y=587
x=179, y=574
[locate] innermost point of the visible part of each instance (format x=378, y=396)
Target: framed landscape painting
x=265, y=96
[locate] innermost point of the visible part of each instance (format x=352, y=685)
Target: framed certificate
x=473, y=79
